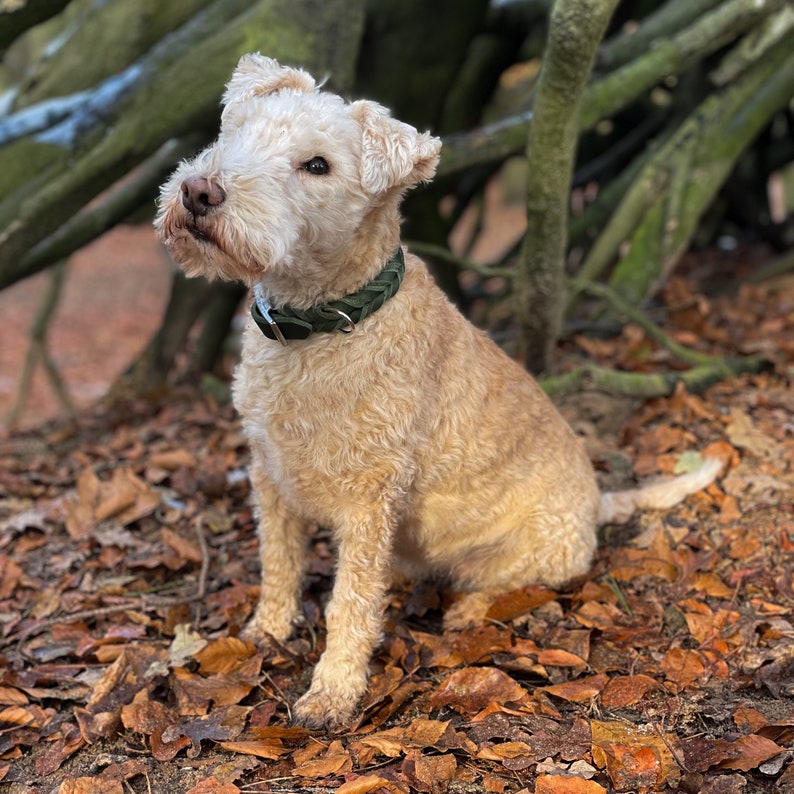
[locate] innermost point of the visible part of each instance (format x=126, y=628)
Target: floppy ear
x=393, y=154
x=257, y=75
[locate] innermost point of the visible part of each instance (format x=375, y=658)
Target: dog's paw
x=267, y=625
x=468, y=611
x=322, y=709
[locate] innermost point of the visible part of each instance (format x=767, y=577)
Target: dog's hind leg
x=546, y=548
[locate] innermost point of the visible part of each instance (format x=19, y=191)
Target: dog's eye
x=317, y=166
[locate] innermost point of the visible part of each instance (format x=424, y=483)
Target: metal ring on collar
x=351, y=326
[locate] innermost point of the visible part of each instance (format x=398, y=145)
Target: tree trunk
x=661, y=210
x=576, y=28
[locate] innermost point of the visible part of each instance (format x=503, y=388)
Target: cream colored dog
x=381, y=413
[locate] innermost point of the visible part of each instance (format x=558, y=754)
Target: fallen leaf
x=511, y=605
x=472, y=688
x=225, y=654
x=634, y=758
x=365, y=783
x=10, y=574
x=429, y=773
x=744, y=434
x=745, y=753
x=173, y=459
x=562, y=784
x=185, y=645
x=626, y=690
x=90, y=785
x=335, y=761
x=683, y=667
x=212, y=785
x=271, y=749
x=186, y=549
x=581, y=690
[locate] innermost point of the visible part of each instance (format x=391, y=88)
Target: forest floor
x=128, y=564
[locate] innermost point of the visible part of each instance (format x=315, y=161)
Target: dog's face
x=291, y=178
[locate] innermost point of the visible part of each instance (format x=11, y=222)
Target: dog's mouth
x=198, y=234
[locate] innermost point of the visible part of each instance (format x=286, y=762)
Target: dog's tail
x=618, y=506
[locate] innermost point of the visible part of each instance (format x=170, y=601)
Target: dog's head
x=292, y=178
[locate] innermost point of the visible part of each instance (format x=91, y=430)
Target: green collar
x=342, y=315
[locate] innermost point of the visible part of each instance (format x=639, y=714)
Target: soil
x=112, y=302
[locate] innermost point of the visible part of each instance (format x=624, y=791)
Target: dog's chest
x=313, y=413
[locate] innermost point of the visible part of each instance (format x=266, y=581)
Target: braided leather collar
x=342, y=315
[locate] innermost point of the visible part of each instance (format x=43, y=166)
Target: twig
x=445, y=255
x=654, y=723
x=681, y=352
x=38, y=353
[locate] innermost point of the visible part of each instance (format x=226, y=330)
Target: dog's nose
x=199, y=195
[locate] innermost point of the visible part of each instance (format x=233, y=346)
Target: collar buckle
x=264, y=307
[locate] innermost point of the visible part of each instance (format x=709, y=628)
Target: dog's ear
x=393, y=154
x=257, y=75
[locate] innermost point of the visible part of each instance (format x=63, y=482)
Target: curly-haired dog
x=370, y=404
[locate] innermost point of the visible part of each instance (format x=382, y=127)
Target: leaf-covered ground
x=128, y=566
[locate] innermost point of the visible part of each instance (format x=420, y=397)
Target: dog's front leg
x=283, y=538
x=354, y=620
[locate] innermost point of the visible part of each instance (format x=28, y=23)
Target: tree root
x=646, y=385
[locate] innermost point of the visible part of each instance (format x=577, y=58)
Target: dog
x=371, y=406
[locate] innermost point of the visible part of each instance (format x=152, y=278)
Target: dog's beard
x=206, y=247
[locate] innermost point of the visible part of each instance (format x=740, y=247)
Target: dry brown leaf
x=224, y=654
x=186, y=549
x=482, y=642
x=428, y=773
x=749, y=719
x=504, y=750
x=518, y=602
x=581, y=690
x=561, y=784
x=626, y=690
x=224, y=689
x=212, y=785
x=147, y=716
x=745, y=753
x=557, y=657
x=90, y=785
x=711, y=585
x=472, y=688
x=9, y=696
x=10, y=574
x=80, y=512
x=420, y=734
x=366, y=783
x=634, y=757
x=95, y=726
x=272, y=749
x=335, y=761
x=743, y=433
x=173, y=459
x=683, y=667
x=435, y=650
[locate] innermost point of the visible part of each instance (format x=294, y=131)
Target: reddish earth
x=112, y=301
